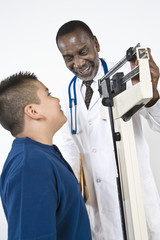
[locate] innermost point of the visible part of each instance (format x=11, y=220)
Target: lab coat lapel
x=96, y=95
x=82, y=113
x=80, y=100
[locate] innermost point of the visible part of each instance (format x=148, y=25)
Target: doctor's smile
x=86, y=70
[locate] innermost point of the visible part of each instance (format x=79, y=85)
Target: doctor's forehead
x=72, y=39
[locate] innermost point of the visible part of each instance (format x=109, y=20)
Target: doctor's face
x=80, y=53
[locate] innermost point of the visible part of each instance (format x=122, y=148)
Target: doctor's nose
x=78, y=62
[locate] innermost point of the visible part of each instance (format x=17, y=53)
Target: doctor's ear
x=96, y=44
x=32, y=111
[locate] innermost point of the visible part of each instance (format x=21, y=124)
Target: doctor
x=87, y=134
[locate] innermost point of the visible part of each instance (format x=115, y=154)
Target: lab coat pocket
x=105, y=181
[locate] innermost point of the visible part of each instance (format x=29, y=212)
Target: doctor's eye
x=84, y=51
x=68, y=58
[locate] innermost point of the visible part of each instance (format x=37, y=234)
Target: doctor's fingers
x=154, y=70
x=153, y=66
x=133, y=63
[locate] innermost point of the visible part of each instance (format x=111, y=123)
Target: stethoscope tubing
x=71, y=100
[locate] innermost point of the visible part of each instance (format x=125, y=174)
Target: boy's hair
x=16, y=92
x=71, y=26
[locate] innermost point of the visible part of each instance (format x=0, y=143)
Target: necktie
x=89, y=92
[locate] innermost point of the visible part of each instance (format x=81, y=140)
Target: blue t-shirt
x=41, y=196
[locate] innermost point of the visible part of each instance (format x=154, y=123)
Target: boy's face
x=50, y=108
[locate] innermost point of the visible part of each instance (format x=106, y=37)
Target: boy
x=40, y=194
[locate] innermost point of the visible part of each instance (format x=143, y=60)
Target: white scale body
x=138, y=94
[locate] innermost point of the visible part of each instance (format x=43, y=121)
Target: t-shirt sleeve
x=32, y=196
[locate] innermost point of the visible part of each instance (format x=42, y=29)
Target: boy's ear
x=32, y=111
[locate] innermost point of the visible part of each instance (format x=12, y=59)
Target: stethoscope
x=74, y=99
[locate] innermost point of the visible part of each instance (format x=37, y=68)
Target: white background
x=27, y=43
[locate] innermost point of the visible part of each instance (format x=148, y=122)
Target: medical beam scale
x=122, y=103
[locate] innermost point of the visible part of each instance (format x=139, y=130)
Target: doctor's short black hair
x=71, y=26
x=16, y=92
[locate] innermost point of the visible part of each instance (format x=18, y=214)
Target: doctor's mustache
x=84, y=67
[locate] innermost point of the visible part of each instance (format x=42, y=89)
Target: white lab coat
x=93, y=141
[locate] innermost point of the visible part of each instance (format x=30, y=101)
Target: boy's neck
x=40, y=138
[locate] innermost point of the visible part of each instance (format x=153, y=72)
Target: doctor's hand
x=155, y=74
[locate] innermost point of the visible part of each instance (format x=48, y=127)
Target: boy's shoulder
x=26, y=153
